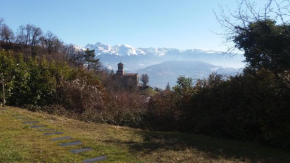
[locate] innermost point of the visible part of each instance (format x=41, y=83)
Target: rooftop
x=130, y=74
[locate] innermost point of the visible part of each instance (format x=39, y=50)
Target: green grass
x=20, y=143
x=148, y=91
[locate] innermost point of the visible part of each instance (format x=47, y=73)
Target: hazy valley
x=166, y=64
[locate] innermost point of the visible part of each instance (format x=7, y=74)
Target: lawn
x=148, y=91
x=21, y=143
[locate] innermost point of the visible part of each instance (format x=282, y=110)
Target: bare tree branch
x=247, y=12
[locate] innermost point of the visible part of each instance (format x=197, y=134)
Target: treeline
x=251, y=107
x=31, y=41
x=41, y=73
x=39, y=82
x=57, y=88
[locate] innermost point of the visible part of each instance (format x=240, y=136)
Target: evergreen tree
x=90, y=60
x=266, y=45
x=168, y=88
x=21, y=85
x=261, y=33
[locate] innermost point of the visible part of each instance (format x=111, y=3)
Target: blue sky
x=180, y=24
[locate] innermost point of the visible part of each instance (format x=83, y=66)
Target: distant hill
x=169, y=71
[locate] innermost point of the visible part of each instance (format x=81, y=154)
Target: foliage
x=163, y=113
x=265, y=45
x=252, y=107
x=149, y=91
x=6, y=67
x=144, y=79
x=39, y=82
x=244, y=107
x=168, y=88
x=20, y=81
x=123, y=109
x=183, y=91
x=6, y=34
x=261, y=33
x=90, y=60
x=82, y=91
x=157, y=89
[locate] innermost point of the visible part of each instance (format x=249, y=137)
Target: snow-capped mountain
x=166, y=64
x=127, y=50
x=137, y=58
x=100, y=48
x=118, y=50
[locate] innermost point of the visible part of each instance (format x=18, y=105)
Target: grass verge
x=20, y=143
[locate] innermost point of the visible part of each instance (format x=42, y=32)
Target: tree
x=184, y=87
x=1, y=21
x=51, y=42
x=265, y=45
x=144, y=79
x=7, y=64
x=73, y=55
x=168, y=88
x=263, y=35
x=21, y=85
x=6, y=34
x=112, y=72
x=29, y=35
x=158, y=89
x=90, y=60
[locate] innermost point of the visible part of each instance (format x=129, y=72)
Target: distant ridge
x=169, y=71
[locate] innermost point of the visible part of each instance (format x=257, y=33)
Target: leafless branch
x=247, y=12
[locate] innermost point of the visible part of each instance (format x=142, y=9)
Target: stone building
x=128, y=79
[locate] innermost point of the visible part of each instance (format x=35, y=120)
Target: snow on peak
x=99, y=48
x=120, y=50
x=128, y=50
x=128, y=46
x=79, y=48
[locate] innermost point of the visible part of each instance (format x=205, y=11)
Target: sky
x=183, y=24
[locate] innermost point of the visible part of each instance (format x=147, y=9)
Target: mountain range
x=157, y=62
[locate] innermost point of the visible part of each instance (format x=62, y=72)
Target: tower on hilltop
x=128, y=79
x=120, y=69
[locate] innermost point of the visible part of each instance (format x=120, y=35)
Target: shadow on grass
x=213, y=147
